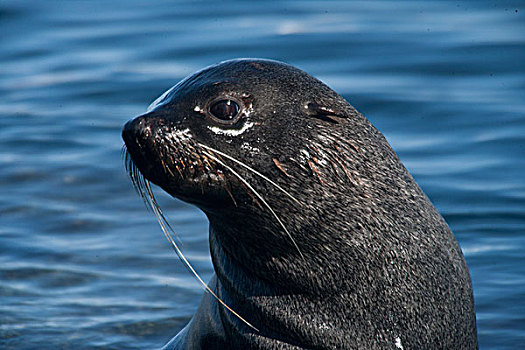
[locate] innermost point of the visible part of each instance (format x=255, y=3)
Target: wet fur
x=376, y=263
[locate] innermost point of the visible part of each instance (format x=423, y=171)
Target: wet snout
x=139, y=135
x=135, y=132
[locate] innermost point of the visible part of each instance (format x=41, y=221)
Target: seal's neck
x=238, y=281
x=274, y=310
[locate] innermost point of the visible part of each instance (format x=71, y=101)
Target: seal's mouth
x=170, y=157
x=164, y=154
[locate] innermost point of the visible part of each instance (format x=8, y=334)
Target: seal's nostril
x=133, y=129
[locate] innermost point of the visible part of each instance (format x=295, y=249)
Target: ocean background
x=84, y=265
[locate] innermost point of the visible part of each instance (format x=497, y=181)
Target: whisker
x=258, y=196
x=166, y=229
x=226, y=186
x=135, y=177
x=252, y=170
x=123, y=152
x=143, y=188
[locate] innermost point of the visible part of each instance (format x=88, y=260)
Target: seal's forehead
x=260, y=77
x=246, y=71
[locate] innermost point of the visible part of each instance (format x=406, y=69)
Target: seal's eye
x=225, y=110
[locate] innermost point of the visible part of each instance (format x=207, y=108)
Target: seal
x=319, y=236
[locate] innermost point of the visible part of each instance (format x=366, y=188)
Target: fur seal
x=319, y=236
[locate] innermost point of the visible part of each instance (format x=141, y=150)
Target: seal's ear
x=318, y=111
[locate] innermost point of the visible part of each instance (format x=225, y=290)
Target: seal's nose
x=136, y=131
x=130, y=130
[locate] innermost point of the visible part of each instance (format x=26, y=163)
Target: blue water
x=83, y=264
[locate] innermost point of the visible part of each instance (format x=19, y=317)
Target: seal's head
x=244, y=141
x=317, y=231
x=254, y=110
